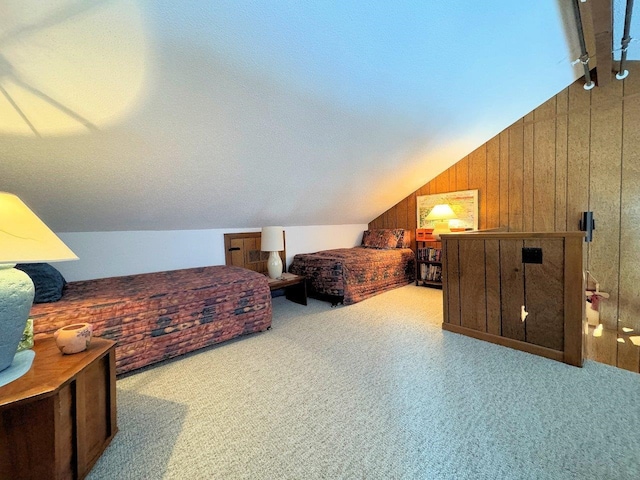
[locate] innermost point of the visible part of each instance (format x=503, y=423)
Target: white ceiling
x=161, y=115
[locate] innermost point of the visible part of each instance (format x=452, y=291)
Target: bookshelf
x=429, y=264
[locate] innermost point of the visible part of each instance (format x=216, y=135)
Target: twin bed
x=348, y=275
x=156, y=316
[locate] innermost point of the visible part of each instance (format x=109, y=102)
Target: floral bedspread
x=155, y=316
x=355, y=273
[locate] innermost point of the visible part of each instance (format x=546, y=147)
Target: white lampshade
x=441, y=214
x=24, y=238
x=272, y=239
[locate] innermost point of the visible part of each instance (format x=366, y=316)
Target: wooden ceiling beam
x=597, y=20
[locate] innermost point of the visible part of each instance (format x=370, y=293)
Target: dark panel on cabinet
x=492, y=268
x=473, y=313
x=450, y=254
x=512, y=288
x=544, y=295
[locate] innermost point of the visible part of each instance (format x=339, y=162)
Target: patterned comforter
x=155, y=316
x=355, y=273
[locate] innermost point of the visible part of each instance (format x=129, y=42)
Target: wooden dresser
x=57, y=419
x=520, y=290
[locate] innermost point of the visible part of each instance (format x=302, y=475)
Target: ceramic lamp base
x=274, y=265
x=441, y=227
x=16, y=298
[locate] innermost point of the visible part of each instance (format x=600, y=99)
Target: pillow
x=48, y=281
x=382, y=238
x=404, y=238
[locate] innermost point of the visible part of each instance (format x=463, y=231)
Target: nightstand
x=57, y=419
x=294, y=286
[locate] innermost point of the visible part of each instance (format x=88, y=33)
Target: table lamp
x=441, y=214
x=24, y=238
x=273, y=242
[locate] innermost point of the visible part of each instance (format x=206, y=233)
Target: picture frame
x=464, y=204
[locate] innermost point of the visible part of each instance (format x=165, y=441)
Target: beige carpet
x=373, y=391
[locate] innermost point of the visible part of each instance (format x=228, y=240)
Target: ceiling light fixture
x=584, y=56
x=622, y=74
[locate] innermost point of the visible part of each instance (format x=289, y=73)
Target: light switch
x=531, y=255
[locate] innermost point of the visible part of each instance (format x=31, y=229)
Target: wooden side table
x=295, y=287
x=57, y=419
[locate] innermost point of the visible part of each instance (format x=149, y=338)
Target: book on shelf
x=430, y=273
x=429, y=254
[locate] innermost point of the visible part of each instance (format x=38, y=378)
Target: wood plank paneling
x=235, y=252
x=425, y=189
x=528, y=178
x=412, y=215
x=629, y=290
x=504, y=178
x=473, y=302
x=579, y=126
x=385, y=219
x=512, y=289
x=516, y=149
x=544, y=167
x=493, y=183
x=402, y=217
x=392, y=217
x=462, y=174
x=453, y=179
x=442, y=182
x=604, y=191
x=478, y=179
x=578, y=155
x=562, y=106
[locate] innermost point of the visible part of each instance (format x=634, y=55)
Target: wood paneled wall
x=578, y=151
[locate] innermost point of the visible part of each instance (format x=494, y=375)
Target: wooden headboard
x=243, y=250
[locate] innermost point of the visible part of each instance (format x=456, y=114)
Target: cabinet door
x=537, y=287
x=544, y=295
x=243, y=250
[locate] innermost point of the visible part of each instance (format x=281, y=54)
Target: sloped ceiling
x=160, y=115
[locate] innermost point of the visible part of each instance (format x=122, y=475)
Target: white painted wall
x=110, y=254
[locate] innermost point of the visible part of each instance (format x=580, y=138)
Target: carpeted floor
x=375, y=390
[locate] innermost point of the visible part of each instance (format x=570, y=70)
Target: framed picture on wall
x=463, y=203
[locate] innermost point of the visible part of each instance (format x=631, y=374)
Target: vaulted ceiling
x=160, y=115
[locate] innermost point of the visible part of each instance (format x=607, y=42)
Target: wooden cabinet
x=57, y=419
x=429, y=264
x=521, y=290
x=243, y=250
